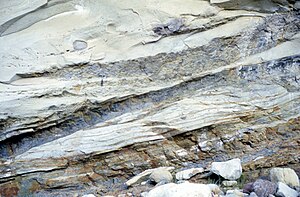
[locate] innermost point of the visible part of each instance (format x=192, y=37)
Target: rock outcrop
x=93, y=93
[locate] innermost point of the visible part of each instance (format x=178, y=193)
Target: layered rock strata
x=95, y=92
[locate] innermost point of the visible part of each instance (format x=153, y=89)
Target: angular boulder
x=187, y=174
x=230, y=170
x=284, y=175
x=264, y=188
x=285, y=191
x=161, y=175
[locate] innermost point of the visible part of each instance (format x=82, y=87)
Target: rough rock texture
x=95, y=92
x=248, y=188
x=285, y=191
x=284, y=175
x=161, y=176
x=264, y=188
x=143, y=176
x=188, y=173
x=230, y=170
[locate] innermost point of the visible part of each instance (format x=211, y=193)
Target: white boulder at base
x=284, y=175
x=230, y=170
x=89, y=195
x=180, y=190
x=285, y=191
x=161, y=175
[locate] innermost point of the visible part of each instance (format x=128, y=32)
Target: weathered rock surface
x=248, y=188
x=285, y=191
x=146, y=174
x=180, y=190
x=264, y=188
x=188, y=173
x=230, y=170
x=253, y=194
x=284, y=175
x=161, y=176
x=260, y=187
x=93, y=93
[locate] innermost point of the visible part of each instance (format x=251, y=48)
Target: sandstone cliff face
x=94, y=92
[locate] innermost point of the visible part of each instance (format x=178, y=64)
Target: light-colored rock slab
x=113, y=28
x=230, y=170
x=89, y=195
x=107, y=137
x=285, y=191
x=161, y=175
x=180, y=190
x=284, y=175
x=145, y=174
x=14, y=8
x=187, y=174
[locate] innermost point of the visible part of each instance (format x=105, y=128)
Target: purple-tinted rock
x=264, y=187
x=248, y=188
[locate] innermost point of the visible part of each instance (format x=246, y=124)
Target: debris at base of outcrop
x=239, y=188
x=197, y=187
